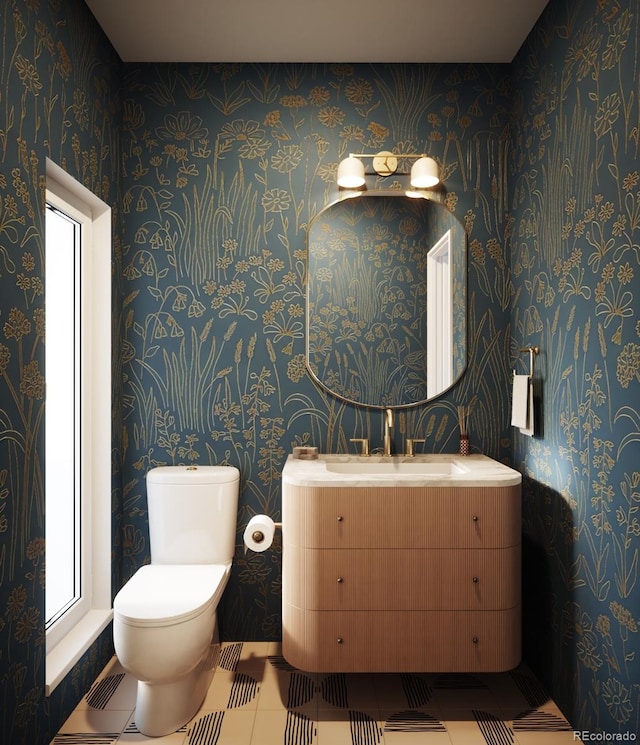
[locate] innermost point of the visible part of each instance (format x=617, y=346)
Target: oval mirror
x=386, y=299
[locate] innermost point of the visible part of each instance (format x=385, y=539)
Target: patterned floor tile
x=504, y=692
x=131, y=734
x=107, y=724
x=462, y=691
x=116, y=691
x=332, y=690
x=254, y=653
x=349, y=727
x=284, y=687
x=544, y=719
x=257, y=698
x=530, y=687
x=413, y=727
x=221, y=728
x=346, y=691
x=546, y=738
x=416, y=738
x=400, y=691
x=412, y=720
x=284, y=728
x=463, y=729
x=112, y=689
x=232, y=690
x=495, y=728
x=85, y=738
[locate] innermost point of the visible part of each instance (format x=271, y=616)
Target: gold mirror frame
x=377, y=329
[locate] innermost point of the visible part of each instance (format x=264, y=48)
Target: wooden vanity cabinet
x=401, y=579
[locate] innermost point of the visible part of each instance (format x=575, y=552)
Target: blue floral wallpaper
x=215, y=172
x=59, y=98
x=574, y=194
x=223, y=168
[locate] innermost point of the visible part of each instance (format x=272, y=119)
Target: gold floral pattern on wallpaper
x=224, y=168
x=57, y=99
x=215, y=173
x=576, y=269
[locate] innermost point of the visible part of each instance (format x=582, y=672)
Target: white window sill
x=69, y=650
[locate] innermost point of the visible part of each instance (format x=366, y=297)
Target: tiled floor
x=257, y=698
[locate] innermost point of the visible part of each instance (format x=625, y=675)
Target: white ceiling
x=327, y=31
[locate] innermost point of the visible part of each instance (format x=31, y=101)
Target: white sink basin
x=424, y=469
x=444, y=468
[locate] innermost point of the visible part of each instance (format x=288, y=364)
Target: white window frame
x=66, y=522
x=439, y=316
x=69, y=638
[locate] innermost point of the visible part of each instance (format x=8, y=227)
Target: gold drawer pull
x=475, y=580
x=475, y=640
x=340, y=640
x=340, y=580
x=475, y=518
x=340, y=518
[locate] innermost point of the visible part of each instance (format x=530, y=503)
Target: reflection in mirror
x=386, y=299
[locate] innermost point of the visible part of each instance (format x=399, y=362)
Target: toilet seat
x=168, y=594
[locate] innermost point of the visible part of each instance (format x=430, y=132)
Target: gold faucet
x=388, y=426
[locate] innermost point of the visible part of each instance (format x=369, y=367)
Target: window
x=440, y=315
x=78, y=421
x=64, y=531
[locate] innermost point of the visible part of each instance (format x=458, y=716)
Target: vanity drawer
x=401, y=579
x=401, y=641
x=401, y=517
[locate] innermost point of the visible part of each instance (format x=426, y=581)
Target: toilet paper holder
x=258, y=535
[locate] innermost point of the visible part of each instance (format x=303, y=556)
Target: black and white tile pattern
x=257, y=698
x=85, y=738
x=102, y=691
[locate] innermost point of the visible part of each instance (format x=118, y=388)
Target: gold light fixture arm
x=385, y=163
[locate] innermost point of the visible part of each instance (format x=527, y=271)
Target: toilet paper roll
x=258, y=535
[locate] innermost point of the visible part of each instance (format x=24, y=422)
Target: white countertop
x=478, y=470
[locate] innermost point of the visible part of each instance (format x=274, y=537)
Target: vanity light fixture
x=351, y=173
x=424, y=172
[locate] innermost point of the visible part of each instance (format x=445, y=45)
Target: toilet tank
x=192, y=514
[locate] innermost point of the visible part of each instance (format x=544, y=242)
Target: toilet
x=165, y=617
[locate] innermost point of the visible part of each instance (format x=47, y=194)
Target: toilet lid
x=164, y=594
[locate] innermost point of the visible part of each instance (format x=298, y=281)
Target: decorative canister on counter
x=464, y=413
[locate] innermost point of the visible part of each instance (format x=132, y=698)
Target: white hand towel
x=520, y=401
x=528, y=430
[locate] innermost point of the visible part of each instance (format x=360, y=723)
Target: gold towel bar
x=532, y=351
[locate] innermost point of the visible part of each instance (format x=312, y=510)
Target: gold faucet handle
x=411, y=441
x=364, y=444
